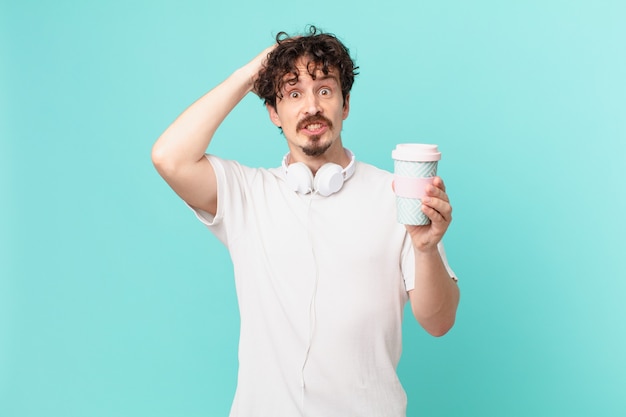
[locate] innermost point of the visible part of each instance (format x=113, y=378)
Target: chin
x=316, y=149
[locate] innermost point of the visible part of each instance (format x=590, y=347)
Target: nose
x=312, y=104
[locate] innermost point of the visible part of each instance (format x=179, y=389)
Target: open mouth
x=314, y=125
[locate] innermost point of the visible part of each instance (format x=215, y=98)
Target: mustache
x=315, y=118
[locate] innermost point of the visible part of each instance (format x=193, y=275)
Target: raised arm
x=178, y=154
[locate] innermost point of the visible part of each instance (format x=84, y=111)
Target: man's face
x=311, y=111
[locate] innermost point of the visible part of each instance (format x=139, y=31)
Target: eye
x=294, y=94
x=325, y=91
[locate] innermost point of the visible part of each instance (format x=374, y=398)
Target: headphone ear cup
x=299, y=177
x=328, y=179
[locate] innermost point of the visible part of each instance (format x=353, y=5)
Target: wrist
x=426, y=251
x=422, y=243
x=246, y=77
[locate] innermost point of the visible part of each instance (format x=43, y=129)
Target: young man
x=322, y=269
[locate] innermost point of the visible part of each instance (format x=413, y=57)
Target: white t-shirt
x=322, y=284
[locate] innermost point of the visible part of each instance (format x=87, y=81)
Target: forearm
x=435, y=296
x=187, y=138
x=178, y=154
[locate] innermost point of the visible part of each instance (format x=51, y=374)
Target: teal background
x=115, y=301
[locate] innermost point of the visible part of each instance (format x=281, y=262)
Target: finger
x=436, y=206
x=439, y=222
x=436, y=192
x=438, y=182
x=435, y=217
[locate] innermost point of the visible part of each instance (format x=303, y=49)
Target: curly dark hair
x=324, y=52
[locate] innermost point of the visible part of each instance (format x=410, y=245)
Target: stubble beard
x=315, y=148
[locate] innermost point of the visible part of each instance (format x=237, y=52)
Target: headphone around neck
x=327, y=180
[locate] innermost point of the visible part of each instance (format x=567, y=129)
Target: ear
x=271, y=110
x=346, y=107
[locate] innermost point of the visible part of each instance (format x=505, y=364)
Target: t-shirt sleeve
x=231, y=180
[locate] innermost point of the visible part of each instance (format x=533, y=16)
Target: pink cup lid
x=417, y=152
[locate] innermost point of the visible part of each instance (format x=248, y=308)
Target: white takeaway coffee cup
x=415, y=166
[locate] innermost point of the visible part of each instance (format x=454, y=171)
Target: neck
x=335, y=154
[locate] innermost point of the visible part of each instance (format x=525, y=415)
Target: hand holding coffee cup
x=415, y=166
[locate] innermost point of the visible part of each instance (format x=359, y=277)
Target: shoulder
x=369, y=180
x=234, y=175
x=231, y=167
x=368, y=172
x=227, y=164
